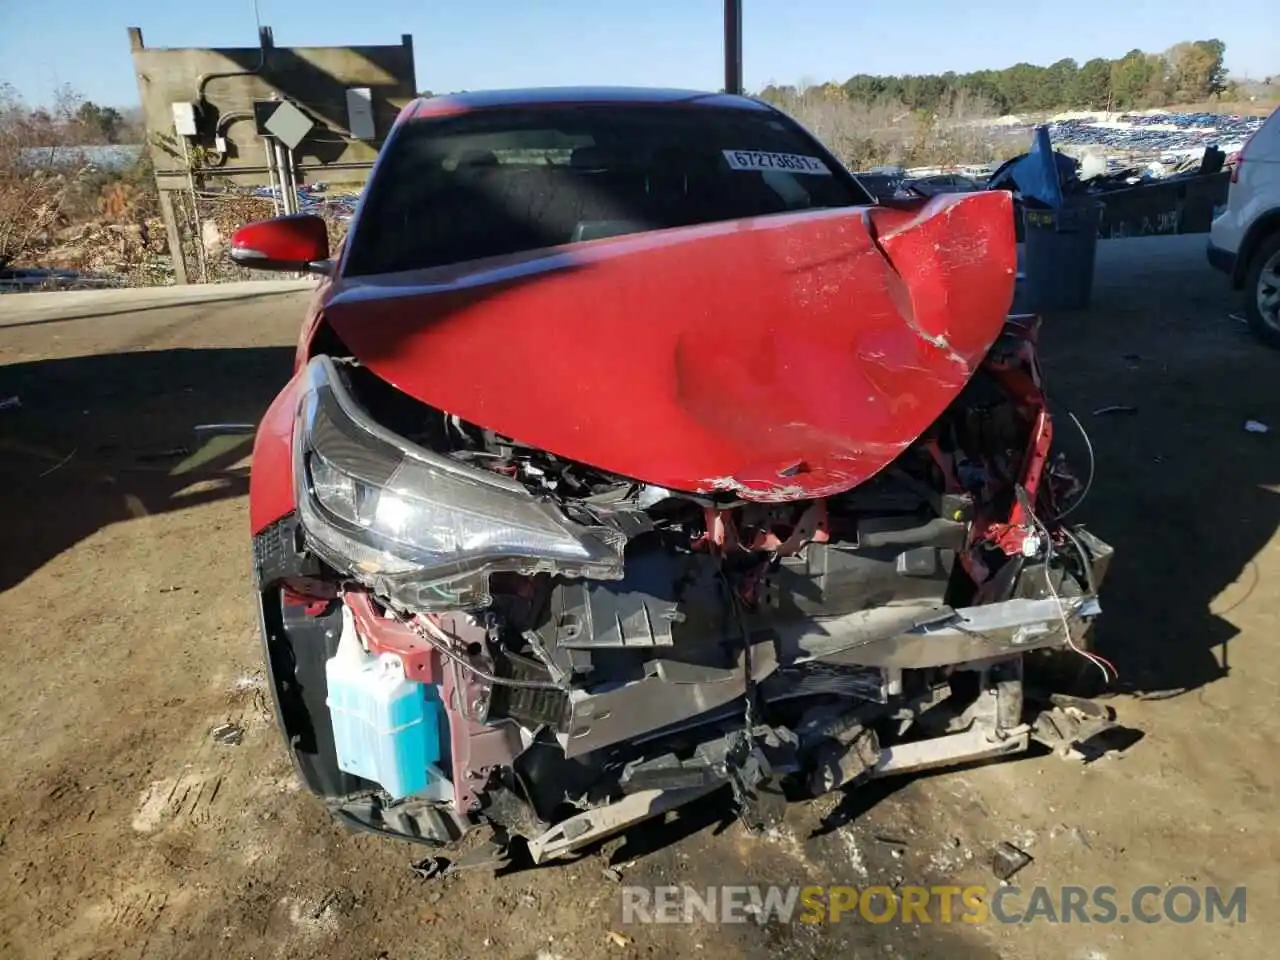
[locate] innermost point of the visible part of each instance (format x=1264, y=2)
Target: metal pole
x=287, y=193
x=733, y=46
x=293, y=182
x=269, y=151
x=195, y=212
x=175, y=235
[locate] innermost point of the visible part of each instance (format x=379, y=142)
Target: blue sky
x=499, y=43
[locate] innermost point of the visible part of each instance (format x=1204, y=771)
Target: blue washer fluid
x=386, y=728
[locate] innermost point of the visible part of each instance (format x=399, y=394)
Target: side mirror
x=298, y=243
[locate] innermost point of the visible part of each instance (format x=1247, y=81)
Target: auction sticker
x=790, y=162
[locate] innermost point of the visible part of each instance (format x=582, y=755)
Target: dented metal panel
x=780, y=358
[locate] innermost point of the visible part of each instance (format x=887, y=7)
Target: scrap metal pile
x=1163, y=135
x=315, y=198
x=1097, y=153
x=1178, y=194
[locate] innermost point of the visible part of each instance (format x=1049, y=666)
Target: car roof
x=466, y=101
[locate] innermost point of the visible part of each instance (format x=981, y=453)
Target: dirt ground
x=127, y=830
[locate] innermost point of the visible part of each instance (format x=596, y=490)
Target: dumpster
x=1058, y=255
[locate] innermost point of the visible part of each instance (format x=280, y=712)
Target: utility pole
x=733, y=46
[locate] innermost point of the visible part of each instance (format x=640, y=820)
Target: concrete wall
x=314, y=78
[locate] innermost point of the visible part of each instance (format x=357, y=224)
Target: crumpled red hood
x=779, y=358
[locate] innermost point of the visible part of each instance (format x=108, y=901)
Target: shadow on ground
x=132, y=308
x=102, y=439
x=1182, y=491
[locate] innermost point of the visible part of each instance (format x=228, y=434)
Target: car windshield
x=499, y=182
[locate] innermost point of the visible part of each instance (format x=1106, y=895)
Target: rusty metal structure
x=280, y=117
x=265, y=116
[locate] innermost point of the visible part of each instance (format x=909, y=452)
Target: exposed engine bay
x=618, y=649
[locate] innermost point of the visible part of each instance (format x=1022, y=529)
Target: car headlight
x=424, y=528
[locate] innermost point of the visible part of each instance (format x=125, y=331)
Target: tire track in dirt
x=183, y=823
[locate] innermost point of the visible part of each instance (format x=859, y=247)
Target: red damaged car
x=633, y=452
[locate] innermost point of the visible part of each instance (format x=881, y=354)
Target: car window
x=498, y=182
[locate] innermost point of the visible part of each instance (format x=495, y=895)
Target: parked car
x=1244, y=240
x=631, y=453
x=941, y=183
x=881, y=186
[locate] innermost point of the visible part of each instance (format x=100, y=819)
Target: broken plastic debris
x=228, y=734
x=226, y=428
x=1255, y=426
x=60, y=464
x=889, y=841
x=1114, y=408
x=617, y=939
x=1006, y=860
x=429, y=867
x=491, y=853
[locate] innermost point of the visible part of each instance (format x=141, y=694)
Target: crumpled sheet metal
x=779, y=358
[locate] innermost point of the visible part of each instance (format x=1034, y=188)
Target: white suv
x=1244, y=241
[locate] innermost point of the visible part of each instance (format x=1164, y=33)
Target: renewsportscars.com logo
x=941, y=904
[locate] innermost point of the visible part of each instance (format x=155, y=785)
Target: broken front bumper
x=885, y=640
x=884, y=646
x=987, y=641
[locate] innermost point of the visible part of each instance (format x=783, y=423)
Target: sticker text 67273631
x=789, y=162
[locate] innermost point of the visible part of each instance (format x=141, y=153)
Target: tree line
x=1188, y=72
x=68, y=120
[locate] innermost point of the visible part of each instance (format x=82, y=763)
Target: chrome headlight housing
x=422, y=528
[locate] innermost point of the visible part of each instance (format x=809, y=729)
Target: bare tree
x=37, y=171
x=887, y=132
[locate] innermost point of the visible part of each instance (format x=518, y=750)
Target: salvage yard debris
x=1156, y=133
x=60, y=464
x=1007, y=860
x=1114, y=408
x=228, y=734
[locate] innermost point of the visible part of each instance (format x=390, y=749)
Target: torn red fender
x=779, y=358
x=271, y=479
x=946, y=251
